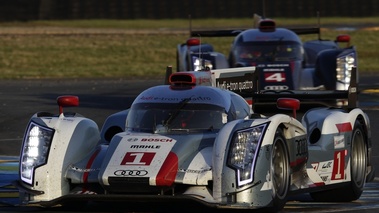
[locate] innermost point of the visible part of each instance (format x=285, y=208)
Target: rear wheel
x=279, y=171
x=358, y=167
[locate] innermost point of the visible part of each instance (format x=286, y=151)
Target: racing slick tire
x=279, y=171
x=358, y=167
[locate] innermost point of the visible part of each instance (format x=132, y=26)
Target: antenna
x=200, y=45
x=190, y=25
x=263, y=9
x=319, y=25
x=200, y=59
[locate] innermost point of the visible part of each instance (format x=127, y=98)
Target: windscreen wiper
x=175, y=113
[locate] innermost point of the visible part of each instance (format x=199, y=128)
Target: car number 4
x=275, y=77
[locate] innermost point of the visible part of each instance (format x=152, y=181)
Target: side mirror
x=288, y=104
x=343, y=39
x=67, y=101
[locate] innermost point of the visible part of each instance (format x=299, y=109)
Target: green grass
x=141, y=55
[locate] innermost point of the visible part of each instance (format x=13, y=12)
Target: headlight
x=344, y=66
x=244, y=151
x=35, y=149
x=201, y=64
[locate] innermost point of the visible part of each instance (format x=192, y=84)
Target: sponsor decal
x=195, y=171
x=176, y=99
x=162, y=139
x=275, y=87
x=327, y=165
x=315, y=166
x=272, y=66
x=237, y=83
x=132, y=173
x=145, y=146
x=203, y=80
x=301, y=147
x=78, y=169
x=324, y=170
x=157, y=140
x=278, y=65
x=324, y=178
x=138, y=158
x=273, y=70
x=235, y=86
x=339, y=142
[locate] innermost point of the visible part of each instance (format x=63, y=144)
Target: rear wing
x=259, y=23
x=245, y=82
x=235, y=32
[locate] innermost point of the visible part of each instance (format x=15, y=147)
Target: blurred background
x=26, y=10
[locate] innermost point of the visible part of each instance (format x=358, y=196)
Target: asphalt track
x=101, y=97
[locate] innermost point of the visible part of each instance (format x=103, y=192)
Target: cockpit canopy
x=268, y=51
x=163, y=109
x=162, y=117
x=255, y=45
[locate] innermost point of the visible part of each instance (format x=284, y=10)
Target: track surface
x=102, y=97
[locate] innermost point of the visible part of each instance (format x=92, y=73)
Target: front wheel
x=279, y=171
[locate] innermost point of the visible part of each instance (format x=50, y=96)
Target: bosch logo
x=132, y=139
x=130, y=173
x=156, y=140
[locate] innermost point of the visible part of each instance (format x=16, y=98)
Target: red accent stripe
x=89, y=164
x=298, y=162
x=344, y=127
x=167, y=174
x=317, y=184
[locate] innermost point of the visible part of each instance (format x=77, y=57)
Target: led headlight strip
x=35, y=150
x=200, y=64
x=345, y=65
x=244, y=151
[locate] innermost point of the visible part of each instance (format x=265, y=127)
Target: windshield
x=180, y=117
x=268, y=51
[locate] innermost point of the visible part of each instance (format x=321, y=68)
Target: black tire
x=358, y=167
x=279, y=171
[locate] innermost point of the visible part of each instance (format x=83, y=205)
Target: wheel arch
x=362, y=120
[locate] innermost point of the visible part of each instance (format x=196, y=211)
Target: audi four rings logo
x=130, y=173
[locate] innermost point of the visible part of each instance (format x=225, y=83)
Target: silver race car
x=193, y=142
